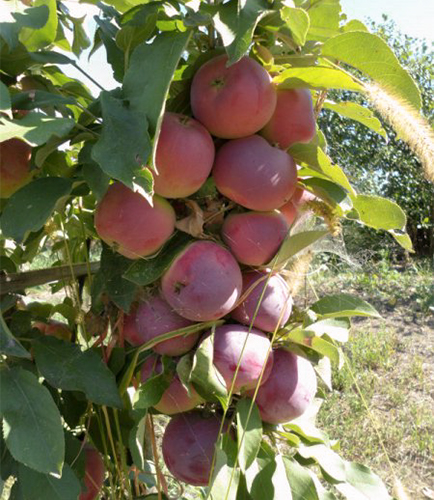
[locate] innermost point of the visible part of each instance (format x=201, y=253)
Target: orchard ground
x=392, y=359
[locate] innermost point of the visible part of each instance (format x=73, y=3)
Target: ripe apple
x=15, y=171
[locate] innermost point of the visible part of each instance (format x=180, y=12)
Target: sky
x=413, y=17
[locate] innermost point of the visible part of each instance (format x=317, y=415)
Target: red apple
x=94, y=474
x=15, y=171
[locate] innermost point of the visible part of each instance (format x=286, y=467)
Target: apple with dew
x=232, y=101
x=54, y=328
x=188, y=446
x=126, y=221
x=254, y=174
x=176, y=398
x=184, y=156
x=289, y=389
x=94, y=474
x=268, y=304
x=293, y=120
x=254, y=237
x=154, y=317
x=203, y=283
x=229, y=341
x=15, y=170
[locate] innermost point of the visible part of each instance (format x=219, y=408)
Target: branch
x=15, y=282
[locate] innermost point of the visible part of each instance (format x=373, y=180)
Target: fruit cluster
x=253, y=125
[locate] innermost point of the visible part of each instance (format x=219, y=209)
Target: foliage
x=56, y=394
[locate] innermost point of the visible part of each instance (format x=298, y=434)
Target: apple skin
x=293, y=120
x=155, y=317
x=289, y=211
x=15, y=170
x=126, y=221
x=94, y=474
x=176, y=398
x=228, y=344
x=254, y=237
x=289, y=390
x=234, y=101
x=203, y=283
x=54, y=329
x=301, y=196
x=276, y=304
x=184, y=157
x=254, y=174
x=188, y=446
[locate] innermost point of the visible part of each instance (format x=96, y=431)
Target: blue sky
x=413, y=17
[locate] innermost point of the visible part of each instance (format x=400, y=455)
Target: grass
x=391, y=362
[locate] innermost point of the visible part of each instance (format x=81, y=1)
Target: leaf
x=9, y=345
x=314, y=157
x=328, y=460
x=146, y=83
x=249, y=432
x=5, y=100
x=316, y=77
x=236, y=22
x=324, y=19
x=304, y=425
x=35, y=39
x=358, y=113
x=136, y=442
x=295, y=243
x=115, y=57
x=32, y=426
x=226, y=476
x=29, y=208
x=35, y=128
x=343, y=305
x=336, y=328
x=51, y=57
x=38, y=99
x=297, y=20
x=354, y=25
x=362, y=484
x=204, y=375
x=34, y=18
x=145, y=271
x=65, y=366
x=317, y=344
x=330, y=192
x=379, y=213
x=37, y=486
x=403, y=239
x=372, y=56
x=302, y=485
x=124, y=145
x=80, y=41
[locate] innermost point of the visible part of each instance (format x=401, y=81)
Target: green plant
x=94, y=161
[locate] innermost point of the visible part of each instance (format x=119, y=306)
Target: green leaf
x=343, y=305
x=316, y=77
x=5, y=99
x=115, y=57
x=51, y=57
x=324, y=19
x=314, y=157
x=65, y=366
x=330, y=192
x=371, y=55
x=305, y=427
x=249, y=432
x=236, y=22
x=29, y=208
x=35, y=128
x=37, y=486
x=32, y=426
x=146, y=83
x=318, y=344
x=38, y=99
x=327, y=459
x=136, y=442
x=295, y=243
x=379, y=213
x=34, y=18
x=354, y=25
x=124, y=145
x=146, y=271
x=80, y=41
x=403, y=239
x=35, y=39
x=9, y=345
x=204, y=375
x=336, y=328
x=226, y=476
x=297, y=20
x=362, y=484
x=302, y=484
x=358, y=113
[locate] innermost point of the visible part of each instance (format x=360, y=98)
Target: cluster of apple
x=210, y=280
